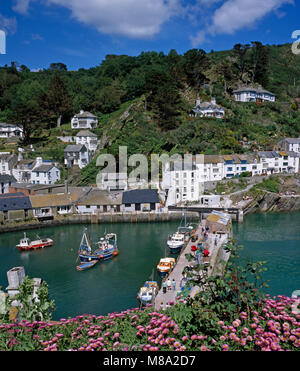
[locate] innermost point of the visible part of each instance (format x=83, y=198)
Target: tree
x=195, y=64
x=57, y=67
x=109, y=98
x=242, y=62
x=259, y=63
x=59, y=100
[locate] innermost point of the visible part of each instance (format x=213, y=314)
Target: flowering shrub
x=271, y=327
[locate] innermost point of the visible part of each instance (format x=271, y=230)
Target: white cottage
x=84, y=120
x=208, y=109
x=77, y=155
x=9, y=130
x=252, y=94
x=45, y=173
x=87, y=138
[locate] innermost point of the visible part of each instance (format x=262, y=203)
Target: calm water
x=112, y=286
x=109, y=286
x=274, y=238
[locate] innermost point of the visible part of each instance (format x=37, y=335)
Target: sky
x=80, y=33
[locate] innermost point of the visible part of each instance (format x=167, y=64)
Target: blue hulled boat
x=106, y=248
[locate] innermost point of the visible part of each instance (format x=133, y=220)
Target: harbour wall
x=103, y=218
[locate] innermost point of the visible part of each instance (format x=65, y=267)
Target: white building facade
x=252, y=94
x=84, y=120
x=89, y=139
x=9, y=130
x=185, y=182
x=208, y=109
x=290, y=145
x=76, y=155
x=45, y=172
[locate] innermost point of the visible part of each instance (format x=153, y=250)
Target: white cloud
x=21, y=6
x=9, y=25
x=235, y=15
x=130, y=18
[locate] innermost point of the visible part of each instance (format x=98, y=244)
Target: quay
x=201, y=210
x=214, y=243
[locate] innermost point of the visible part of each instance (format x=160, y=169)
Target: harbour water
x=274, y=238
x=112, y=286
x=108, y=287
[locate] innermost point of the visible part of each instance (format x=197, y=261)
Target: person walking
x=169, y=284
x=174, y=285
x=164, y=287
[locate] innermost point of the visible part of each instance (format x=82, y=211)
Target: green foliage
x=30, y=308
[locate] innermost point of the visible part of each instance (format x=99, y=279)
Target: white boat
x=176, y=242
x=26, y=244
x=148, y=292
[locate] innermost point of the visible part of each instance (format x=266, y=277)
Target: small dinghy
x=86, y=265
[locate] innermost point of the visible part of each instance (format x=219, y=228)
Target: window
x=127, y=205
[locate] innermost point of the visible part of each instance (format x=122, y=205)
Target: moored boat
x=176, y=242
x=26, y=244
x=165, y=266
x=147, y=293
x=86, y=265
x=106, y=248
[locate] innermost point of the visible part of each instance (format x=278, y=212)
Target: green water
x=274, y=238
x=112, y=286
x=108, y=287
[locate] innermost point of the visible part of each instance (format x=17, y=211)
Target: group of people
x=169, y=285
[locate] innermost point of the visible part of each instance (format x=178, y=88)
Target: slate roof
x=43, y=168
x=140, y=196
x=75, y=148
x=85, y=114
x=86, y=133
x=5, y=178
x=14, y=201
x=258, y=90
x=268, y=154
x=292, y=140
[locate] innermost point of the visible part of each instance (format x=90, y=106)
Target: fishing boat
x=26, y=244
x=86, y=265
x=106, y=248
x=165, y=266
x=176, y=242
x=147, y=292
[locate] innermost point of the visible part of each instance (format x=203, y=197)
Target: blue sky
x=80, y=33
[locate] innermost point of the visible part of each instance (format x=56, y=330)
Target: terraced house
x=184, y=182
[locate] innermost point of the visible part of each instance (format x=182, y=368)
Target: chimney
x=81, y=112
x=39, y=161
x=213, y=101
x=198, y=102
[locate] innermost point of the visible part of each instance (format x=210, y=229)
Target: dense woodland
x=144, y=101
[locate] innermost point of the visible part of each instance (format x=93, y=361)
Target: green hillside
x=143, y=102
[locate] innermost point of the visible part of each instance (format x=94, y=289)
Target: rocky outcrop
x=272, y=202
